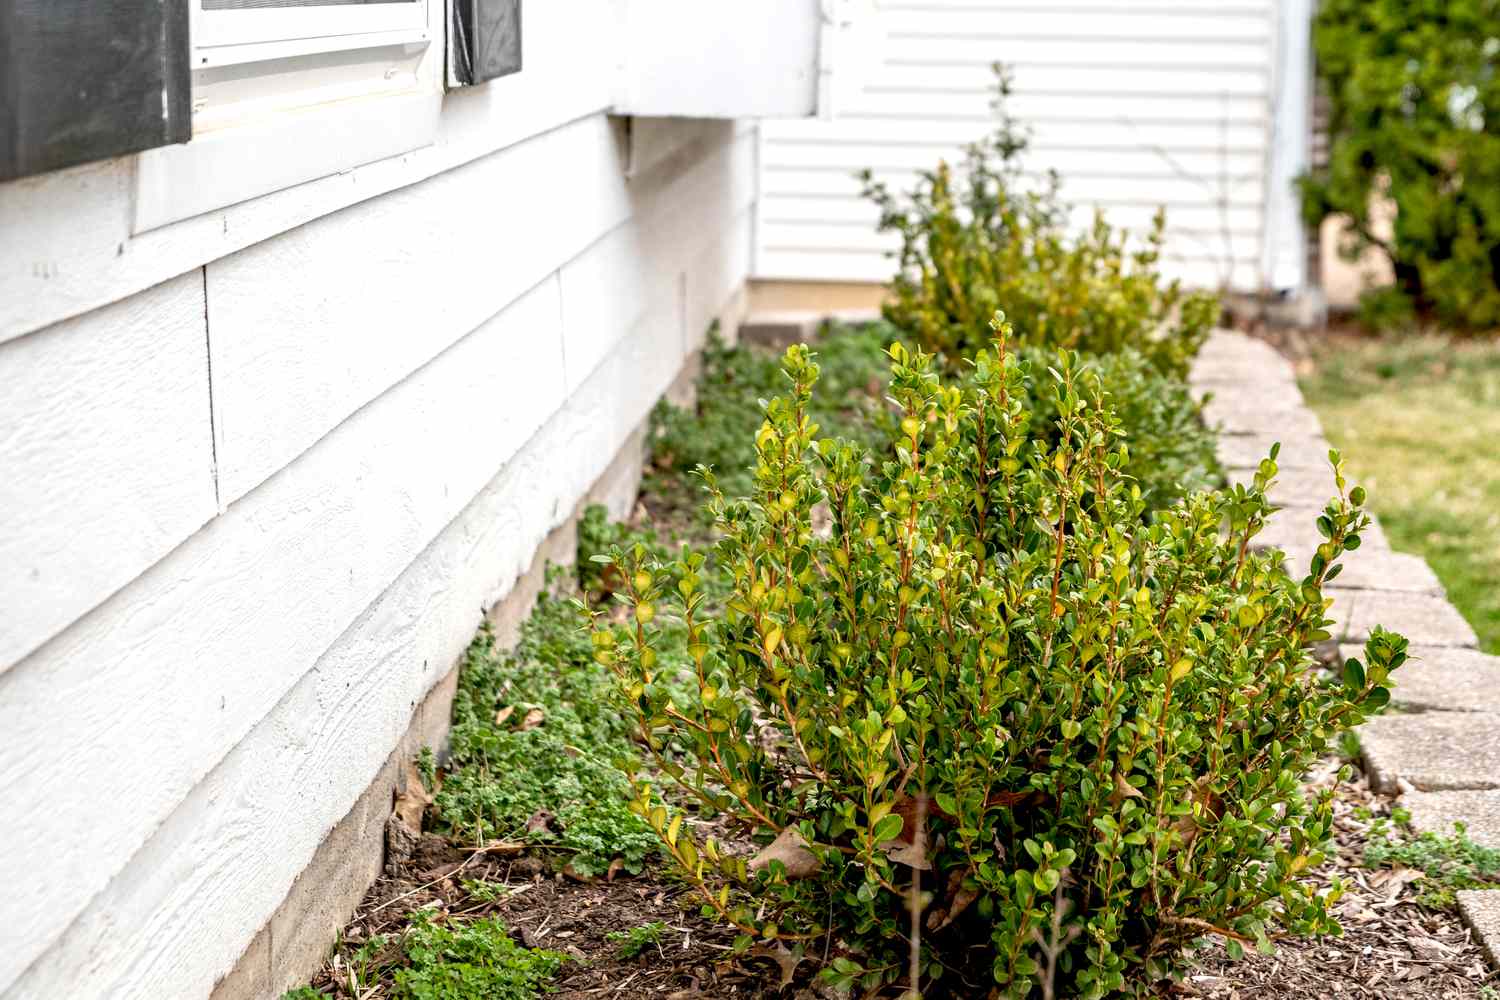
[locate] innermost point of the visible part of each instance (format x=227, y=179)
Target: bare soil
x=1392, y=946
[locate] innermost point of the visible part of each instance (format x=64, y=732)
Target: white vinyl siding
x=1134, y=105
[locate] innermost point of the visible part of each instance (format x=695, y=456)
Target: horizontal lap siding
x=50, y=271
x=1134, y=105
x=365, y=297
x=106, y=457
x=233, y=700
x=118, y=485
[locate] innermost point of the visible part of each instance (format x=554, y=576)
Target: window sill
x=232, y=165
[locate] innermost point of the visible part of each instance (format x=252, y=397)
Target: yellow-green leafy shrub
x=980, y=239
x=967, y=672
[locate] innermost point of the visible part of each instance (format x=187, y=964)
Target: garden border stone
x=1444, y=757
x=1436, y=812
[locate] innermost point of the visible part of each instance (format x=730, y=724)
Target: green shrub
x=1414, y=117
x=1171, y=452
x=991, y=685
x=718, y=430
x=476, y=961
x=982, y=241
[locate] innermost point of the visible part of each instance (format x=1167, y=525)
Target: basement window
x=285, y=92
x=229, y=32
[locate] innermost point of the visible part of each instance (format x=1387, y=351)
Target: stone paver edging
x=1439, y=748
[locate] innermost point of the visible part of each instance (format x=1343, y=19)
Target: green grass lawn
x=1418, y=421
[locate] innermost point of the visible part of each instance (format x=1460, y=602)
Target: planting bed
x=639, y=935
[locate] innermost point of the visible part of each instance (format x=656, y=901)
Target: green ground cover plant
x=438, y=957
x=1414, y=120
x=629, y=944
x=475, y=961
x=981, y=238
x=535, y=738
x=990, y=709
x=1419, y=417
x=1448, y=863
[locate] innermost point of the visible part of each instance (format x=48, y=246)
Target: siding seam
x=213, y=430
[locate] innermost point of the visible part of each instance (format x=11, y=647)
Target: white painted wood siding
x=261, y=471
x=1136, y=105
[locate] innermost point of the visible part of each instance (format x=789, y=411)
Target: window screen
x=268, y=4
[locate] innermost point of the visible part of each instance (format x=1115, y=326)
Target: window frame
x=232, y=37
x=277, y=129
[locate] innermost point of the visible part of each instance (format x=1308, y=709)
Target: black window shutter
x=486, y=39
x=83, y=80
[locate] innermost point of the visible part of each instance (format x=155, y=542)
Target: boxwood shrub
x=991, y=725
x=982, y=239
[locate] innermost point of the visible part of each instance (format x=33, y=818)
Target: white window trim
x=235, y=165
x=285, y=138
x=229, y=37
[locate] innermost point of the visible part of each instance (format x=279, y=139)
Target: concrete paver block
x=1234, y=358
x=1252, y=416
x=1477, y=809
x=1303, y=451
x=1424, y=620
x=1305, y=486
x=251, y=975
x=1294, y=530
x=1443, y=679
x=1481, y=911
x=1369, y=568
x=1432, y=750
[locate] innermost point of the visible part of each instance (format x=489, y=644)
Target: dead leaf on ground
x=791, y=850
x=956, y=900
x=412, y=797
x=1389, y=882
x=504, y=714
x=1123, y=790
x=782, y=956
x=533, y=719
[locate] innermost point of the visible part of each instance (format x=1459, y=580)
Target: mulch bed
x=546, y=909
x=1392, y=947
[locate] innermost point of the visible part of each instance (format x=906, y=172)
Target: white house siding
x=1194, y=105
x=261, y=470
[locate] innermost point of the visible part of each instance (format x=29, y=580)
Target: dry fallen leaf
x=412, y=797
x=1123, y=790
x=782, y=956
x=957, y=900
x=504, y=714
x=533, y=719
x=791, y=850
